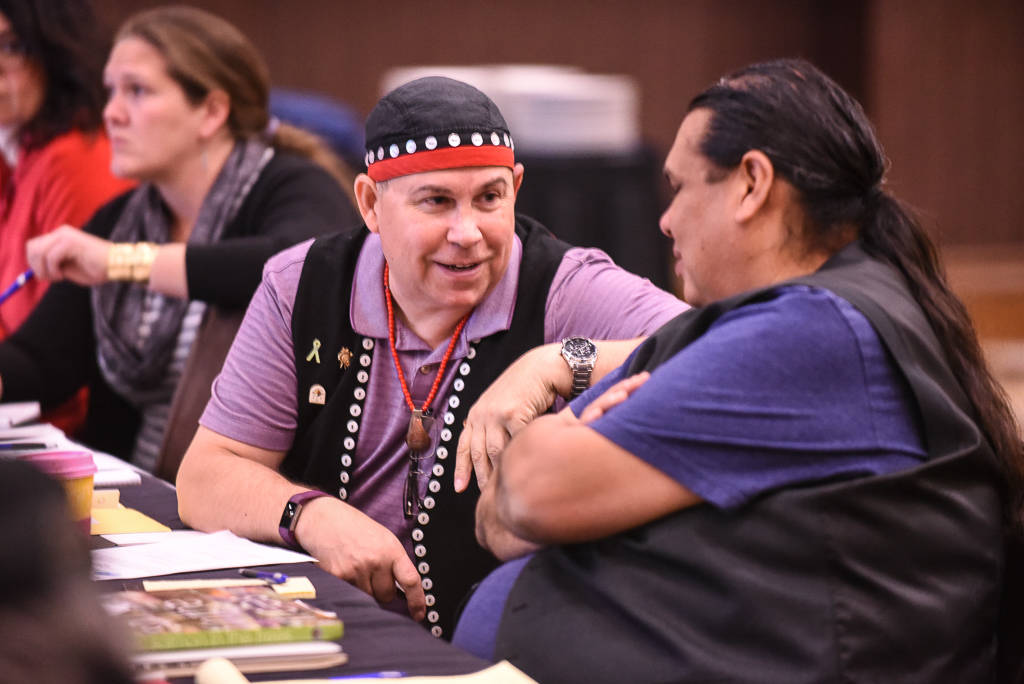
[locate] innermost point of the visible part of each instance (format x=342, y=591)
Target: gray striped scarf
x=133, y=358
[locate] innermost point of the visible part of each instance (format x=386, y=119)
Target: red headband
x=444, y=158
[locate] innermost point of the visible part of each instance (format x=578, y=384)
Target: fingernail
x=460, y=482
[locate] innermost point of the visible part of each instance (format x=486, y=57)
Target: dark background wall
x=942, y=79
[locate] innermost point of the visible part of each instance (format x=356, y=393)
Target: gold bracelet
x=145, y=252
x=119, y=261
x=130, y=261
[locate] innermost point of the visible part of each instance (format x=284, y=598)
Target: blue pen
x=275, y=577
x=18, y=283
x=384, y=674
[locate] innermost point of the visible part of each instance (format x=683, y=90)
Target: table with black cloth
x=374, y=639
x=609, y=201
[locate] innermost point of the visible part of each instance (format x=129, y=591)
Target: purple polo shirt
x=253, y=398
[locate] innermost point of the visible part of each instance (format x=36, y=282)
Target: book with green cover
x=218, y=616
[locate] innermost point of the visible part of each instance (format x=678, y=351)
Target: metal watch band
x=290, y=516
x=579, y=353
x=580, y=381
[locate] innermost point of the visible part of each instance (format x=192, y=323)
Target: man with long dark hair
x=807, y=478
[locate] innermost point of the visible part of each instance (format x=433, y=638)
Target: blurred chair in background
x=335, y=122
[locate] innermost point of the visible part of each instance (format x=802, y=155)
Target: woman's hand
x=69, y=254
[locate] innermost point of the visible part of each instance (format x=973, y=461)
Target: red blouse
x=64, y=181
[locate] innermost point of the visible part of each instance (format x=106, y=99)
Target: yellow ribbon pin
x=315, y=354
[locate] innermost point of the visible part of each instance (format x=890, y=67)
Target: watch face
x=290, y=509
x=579, y=347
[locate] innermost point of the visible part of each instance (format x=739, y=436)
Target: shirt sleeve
x=66, y=182
x=253, y=398
x=775, y=393
x=591, y=296
x=38, y=363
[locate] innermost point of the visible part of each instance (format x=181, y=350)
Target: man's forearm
x=494, y=535
x=611, y=354
x=218, y=489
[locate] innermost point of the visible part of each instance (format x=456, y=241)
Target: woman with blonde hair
x=222, y=187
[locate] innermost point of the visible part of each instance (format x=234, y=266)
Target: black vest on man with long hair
x=886, y=578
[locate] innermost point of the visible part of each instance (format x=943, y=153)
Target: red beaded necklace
x=417, y=437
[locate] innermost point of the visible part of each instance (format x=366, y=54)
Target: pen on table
x=18, y=283
x=25, y=446
x=275, y=577
x=383, y=674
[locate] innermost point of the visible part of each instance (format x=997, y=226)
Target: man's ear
x=366, y=197
x=216, y=109
x=517, y=178
x=757, y=175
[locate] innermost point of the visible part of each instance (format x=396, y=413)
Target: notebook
x=297, y=655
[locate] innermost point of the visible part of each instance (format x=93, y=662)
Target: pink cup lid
x=67, y=465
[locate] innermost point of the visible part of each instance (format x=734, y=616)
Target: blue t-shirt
x=790, y=390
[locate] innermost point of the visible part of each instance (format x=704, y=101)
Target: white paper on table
x=113, y=472
x=110, y=470
x=132, y=538
x=36, y=432
x=188, y=554
x=18, y=412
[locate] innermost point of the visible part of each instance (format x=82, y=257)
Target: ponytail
x=891, y=234
x=284, y=136
x=820, y=141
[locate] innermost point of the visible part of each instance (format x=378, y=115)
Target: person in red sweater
x=54, y=155
x=55, y=161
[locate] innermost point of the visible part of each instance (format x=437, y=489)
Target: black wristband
x=290, y=516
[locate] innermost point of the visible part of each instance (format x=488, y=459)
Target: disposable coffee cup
x=75, y=469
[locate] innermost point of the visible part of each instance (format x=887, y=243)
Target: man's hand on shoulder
x=352, y=546
x=525, y=390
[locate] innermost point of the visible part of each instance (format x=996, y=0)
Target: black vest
x=894, y=578
x=323, y=454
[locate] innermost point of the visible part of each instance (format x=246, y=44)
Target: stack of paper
x=176, y=629
x=187, y=553
x=18, y=413
x=110, y=470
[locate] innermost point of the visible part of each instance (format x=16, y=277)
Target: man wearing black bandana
x=334, y=423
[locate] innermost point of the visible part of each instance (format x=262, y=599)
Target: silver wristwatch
x=581, y=354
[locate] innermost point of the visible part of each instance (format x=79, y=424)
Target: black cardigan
x=53, y=353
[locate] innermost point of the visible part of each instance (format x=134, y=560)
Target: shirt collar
x=369, y=313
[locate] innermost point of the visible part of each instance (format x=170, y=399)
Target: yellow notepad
x=120, y=519
x=109, y=516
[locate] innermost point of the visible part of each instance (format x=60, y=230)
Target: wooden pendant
x=417, y=437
